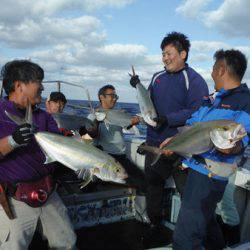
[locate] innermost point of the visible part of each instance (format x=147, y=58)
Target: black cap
x=57, y=96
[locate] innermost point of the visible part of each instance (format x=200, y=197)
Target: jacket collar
x=241, y=88
x=176, y=72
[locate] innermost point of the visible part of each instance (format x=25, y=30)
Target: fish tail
x=155, y=159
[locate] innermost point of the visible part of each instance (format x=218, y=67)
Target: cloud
x=49, y=31
x=29, y=9
x=231, y=18
x=191, y=8
x=208, y=46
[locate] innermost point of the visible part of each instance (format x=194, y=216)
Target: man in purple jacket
x=177, y=91
x=28, y=184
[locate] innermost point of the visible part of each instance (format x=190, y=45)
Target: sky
x=94, y=42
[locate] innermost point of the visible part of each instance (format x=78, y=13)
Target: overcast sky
x=95, y=42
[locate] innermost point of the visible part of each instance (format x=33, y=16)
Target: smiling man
x=56, y=102
x=25, y=182
x=177, y=91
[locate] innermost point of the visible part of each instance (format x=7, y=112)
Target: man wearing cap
x=27, y=182
x=56, y=102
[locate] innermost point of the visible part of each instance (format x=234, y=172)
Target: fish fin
x=48, y=159
x=150, y=149
x=185, y=155
x=85, y=182
x=155, y=160
x=28, y=114
x=106, y=125
x=14, y=118
x=18, y=120
x=183, y=129
x=86, y=176
x=153, y=150
x=200, y=159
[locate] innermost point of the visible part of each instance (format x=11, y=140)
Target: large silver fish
x=196, y=139
x=75, y=154
x=79, y=155
x=114, y=117
x=145, y=103
x=71, y=122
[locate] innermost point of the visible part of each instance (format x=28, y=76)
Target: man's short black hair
x=178, y=40
x=235, y=60
x=57, y=96
x=102, y=90
x=20, y=70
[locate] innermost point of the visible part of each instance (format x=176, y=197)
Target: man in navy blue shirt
x=177, y=91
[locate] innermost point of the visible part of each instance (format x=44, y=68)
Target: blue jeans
x=196, y=224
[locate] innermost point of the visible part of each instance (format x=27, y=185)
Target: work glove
x=140, y=150
x=21, y=136
x=83, y=131
x=134, y=80
x=160, y=121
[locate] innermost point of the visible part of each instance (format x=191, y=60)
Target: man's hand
x=166, y=152
x=134, y=80
x=21, y=136
x=234, y=150
x=160, y=121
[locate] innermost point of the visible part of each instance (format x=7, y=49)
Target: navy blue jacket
x=175, y=99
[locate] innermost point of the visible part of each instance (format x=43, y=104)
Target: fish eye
x=117, y=170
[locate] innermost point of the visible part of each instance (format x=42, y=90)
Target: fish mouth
x=120, y=181
x=238, y=133
x=122, y=176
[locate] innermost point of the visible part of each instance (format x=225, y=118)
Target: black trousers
x=156, y=176
x=136, y=176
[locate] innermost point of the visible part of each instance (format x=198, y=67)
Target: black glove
x=160, y=121
x=82, y=131
x=23, y=134
x=140, y=150
x=134, y=80
x=129, y=127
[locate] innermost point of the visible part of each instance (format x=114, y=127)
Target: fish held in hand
x=196, y=139
x=145, y=103
x=75, y=154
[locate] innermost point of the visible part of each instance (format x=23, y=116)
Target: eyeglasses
x=114, y=96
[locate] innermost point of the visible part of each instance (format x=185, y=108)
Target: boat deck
x=121, y=235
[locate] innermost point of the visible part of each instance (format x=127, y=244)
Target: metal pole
x=59, y=86
x=1, y=93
